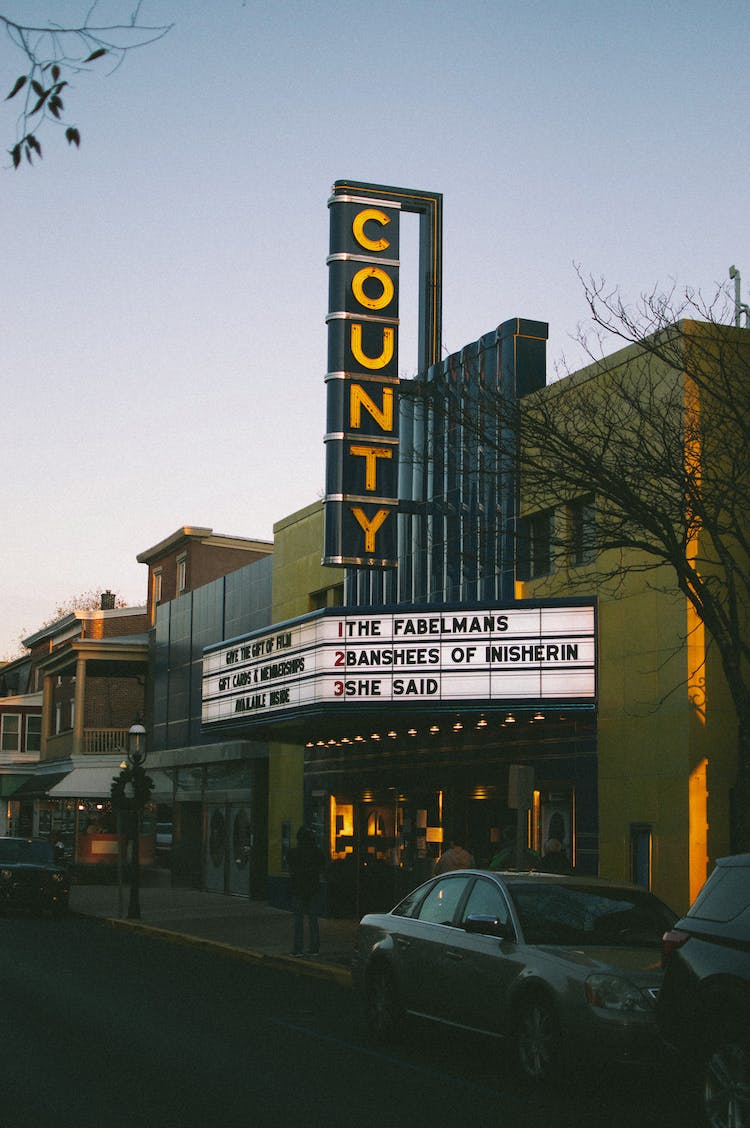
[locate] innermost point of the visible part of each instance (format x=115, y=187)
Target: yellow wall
x=285, y=798
x=666, y=728
x=300, y=585
x=297, y=570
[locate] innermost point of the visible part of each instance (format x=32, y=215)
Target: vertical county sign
x=362, y=380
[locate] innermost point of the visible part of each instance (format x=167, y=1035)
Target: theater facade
x=408, y=666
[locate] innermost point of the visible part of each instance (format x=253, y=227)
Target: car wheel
x=382, y=1006
x=537, y=1036
x=726, y=1082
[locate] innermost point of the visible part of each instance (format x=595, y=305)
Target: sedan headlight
x=613, y=993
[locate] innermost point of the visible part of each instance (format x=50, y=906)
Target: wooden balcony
x=92, y=742
x=104, y=741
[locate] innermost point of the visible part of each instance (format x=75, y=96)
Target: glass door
x=216, y=848
x=241, y=842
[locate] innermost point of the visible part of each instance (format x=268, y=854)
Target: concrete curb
x=296, y=964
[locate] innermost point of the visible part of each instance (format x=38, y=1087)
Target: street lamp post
x=134, y=791
x=131, y=791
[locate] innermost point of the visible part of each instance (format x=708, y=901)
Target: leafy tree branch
x=54, y=56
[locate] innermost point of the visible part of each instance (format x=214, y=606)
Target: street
x=104, y=1027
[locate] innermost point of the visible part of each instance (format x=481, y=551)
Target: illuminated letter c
x=358, y=227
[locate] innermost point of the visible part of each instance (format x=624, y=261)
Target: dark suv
x=704, y=1004
x=30, y=877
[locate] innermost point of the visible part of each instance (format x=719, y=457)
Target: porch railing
x=99, y=741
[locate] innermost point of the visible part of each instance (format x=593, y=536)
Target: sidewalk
x=251, y=930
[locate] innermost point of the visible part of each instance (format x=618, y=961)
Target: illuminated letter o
x=358, y=287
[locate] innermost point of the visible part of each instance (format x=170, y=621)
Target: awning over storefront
x=93, y=782
x=38, y=786
x=10, y=784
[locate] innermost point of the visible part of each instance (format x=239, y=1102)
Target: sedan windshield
x=590, y=915
x=13, y=851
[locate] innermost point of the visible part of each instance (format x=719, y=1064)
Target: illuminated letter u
x=368, y=361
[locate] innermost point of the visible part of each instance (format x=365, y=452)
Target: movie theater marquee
x=510, y=654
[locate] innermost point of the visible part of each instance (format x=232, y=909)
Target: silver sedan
x=557, y=964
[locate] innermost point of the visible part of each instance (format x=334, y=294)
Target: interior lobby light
x=510, y=719
x=434, y=729
x=481, y=723
x=539, y=715
x=411, y=732
x=393, y=734
x=457, y=727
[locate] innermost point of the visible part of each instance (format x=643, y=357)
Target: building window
x=10, y=733
x=641, y=846
x=156, y=587
x=181, y=573
x=534, y=548
x=327, y=597
x=33, y=734
x=582, y=531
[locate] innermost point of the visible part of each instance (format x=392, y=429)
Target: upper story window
x=534, y=547
x=181, y=573
x=582, y=531
x=33, y=734
x=10, y=733
x=156, y=578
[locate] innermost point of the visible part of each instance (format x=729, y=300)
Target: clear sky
x=165, y=288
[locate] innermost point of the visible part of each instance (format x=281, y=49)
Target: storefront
x=387, y=806
x=415, y=726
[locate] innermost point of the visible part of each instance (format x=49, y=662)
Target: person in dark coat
x=305, y=862
x=555, y=860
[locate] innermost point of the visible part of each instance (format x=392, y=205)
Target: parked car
x=553, y=963
x=31, y=877
x=704, y=1007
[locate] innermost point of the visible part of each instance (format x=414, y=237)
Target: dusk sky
x=165, y=287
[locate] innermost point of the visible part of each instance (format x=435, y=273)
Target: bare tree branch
x=656, y=438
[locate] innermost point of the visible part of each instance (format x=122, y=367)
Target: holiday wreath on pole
x=131, y=789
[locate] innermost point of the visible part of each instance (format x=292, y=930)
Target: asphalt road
x=107, y=1028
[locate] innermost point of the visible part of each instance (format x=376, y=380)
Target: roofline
x=205, y=536
x=124, y=649
x=60, y=626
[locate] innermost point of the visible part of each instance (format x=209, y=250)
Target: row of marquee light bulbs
x=434, y=730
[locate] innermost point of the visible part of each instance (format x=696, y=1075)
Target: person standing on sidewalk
x=305, y=863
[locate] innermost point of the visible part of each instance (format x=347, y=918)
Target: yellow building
x=663, y=417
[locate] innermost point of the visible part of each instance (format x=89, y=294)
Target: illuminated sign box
x=361, y=499
x=540, y=653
